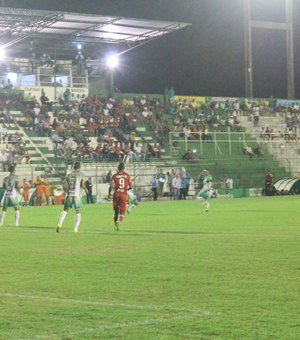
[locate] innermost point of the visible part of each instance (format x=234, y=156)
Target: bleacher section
x=221, y=152
x=42, y=160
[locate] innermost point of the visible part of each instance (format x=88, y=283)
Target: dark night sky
x=206, y=58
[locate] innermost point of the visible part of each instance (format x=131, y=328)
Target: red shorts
x=119, y=202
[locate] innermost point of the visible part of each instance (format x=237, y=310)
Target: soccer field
x=173, y=271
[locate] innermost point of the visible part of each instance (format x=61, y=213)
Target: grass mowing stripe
x=135, y=232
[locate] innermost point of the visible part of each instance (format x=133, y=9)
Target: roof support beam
x=32, y=27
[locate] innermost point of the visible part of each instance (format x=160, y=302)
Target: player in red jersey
x=120, y=183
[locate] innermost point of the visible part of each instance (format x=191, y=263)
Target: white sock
x=62, y=217
x=132, y=207
x=2, y=217
x=77, y=222
x=206, y=204
x=17, y=217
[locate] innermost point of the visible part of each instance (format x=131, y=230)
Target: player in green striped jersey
x=73, y=184
x=12, y=195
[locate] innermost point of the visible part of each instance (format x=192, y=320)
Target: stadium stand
x=138, y=129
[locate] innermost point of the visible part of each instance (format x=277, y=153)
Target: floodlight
x=112, y=61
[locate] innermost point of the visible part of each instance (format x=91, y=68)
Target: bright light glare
x=112, y=61
x=12, y=76
x=79, y=46
x=2, y=53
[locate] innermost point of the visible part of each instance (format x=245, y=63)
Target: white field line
x=108, y=304
x=191, y=314
x=123, y=325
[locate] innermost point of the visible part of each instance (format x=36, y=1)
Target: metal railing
x=181, y=141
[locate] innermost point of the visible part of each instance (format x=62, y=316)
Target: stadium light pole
x=286, y=26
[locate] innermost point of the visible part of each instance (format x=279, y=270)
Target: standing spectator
x=46, y=189
x=183, y=187
x=200, y=180
x=187, y=176
x=39, y=190
x=176, y=183
x=256, y=117
x=170, y=186
x=89, y=187
x=80, y=61
x=25, y=194
x=161, y=181
x=154, y=185
x=269, y=186
x=229, y=184
x=108, y=177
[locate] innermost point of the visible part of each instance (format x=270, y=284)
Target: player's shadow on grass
x=37, y=227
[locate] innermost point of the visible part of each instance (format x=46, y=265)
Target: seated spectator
x=189, y=156
x=205, y=135
x=155, y=151
x=80, y=151
x=4, y=160
x=98, y=151
x=9, y=85
x=249, y=152
x=117, y=152
x=15, y=138
x=105, y=154
x=44, y=59
x=3, y=133
x=259, y=152
x=22, y=153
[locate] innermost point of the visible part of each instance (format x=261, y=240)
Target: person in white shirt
x=176, y=183
x=229, y=184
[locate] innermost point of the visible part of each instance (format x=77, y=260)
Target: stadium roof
x=65, y=29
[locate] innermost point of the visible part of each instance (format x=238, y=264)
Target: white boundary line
x=190, y=313
x=124, y=325
x=108, y=304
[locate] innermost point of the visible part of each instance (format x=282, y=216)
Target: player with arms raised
x=120, y=184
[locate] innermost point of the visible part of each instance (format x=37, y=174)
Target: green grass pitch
x=173, y=271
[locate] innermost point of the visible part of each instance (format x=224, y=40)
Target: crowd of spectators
x=14, y=149
x=100, y=129
x=195, y=120
x=95, y=128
